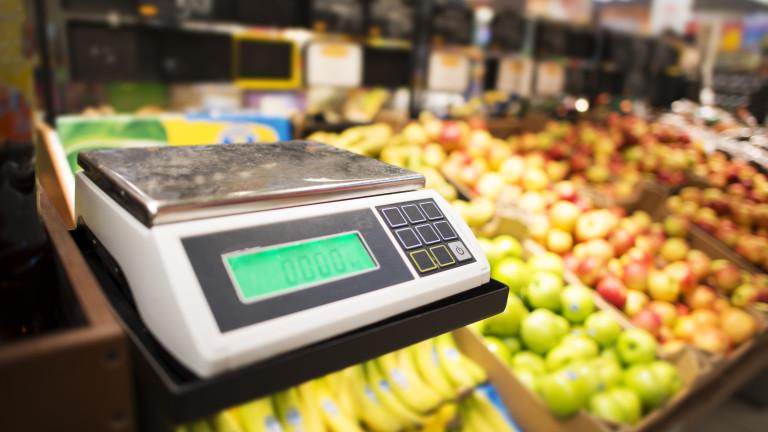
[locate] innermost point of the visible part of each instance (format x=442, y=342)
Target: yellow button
x=423, y=260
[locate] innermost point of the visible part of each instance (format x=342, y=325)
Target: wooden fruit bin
x=76, y=378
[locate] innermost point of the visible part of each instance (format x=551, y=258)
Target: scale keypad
x=426, y=237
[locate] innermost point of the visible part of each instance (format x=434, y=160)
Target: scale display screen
x=270, y=271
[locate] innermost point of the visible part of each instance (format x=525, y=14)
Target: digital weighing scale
x=235, y=254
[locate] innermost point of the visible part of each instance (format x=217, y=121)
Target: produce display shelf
x=168, y=394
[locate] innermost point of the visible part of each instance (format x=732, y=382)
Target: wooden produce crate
x=76, y=378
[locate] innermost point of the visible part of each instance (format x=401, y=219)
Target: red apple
x=676, y=226
x=701, y=297
x=590, y=269
x=636, y=301
x=682, y=274
x=665, y=310
x=726, y=277
x=705, y=318
x=685, y=328
x=621, y=240
x=636, y=275
x=739, y=325
x=648, y=320
x=613, y=291
x=674, y=249
x=662, y=287
x=699, y=262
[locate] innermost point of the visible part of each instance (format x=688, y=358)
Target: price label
x=515, y=74
x=448, y=72
x=334, y=64
x=550, y=79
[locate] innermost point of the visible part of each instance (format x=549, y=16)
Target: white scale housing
x=225, y=249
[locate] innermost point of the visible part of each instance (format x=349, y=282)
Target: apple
x=650, y=386
x=682, y=275
x=594, y=224
x=566, y=190
x=665, y=310
x=544, y=291
x=643, y=219
x=603, y=328
x=712, y=340
x=583, y=345
x=490, y=250
x=605, y=406
x=535, y=179
x=668, y=374
x=576, y=302
x=498, y=347
x=630, y=403
x=739, y=325
x=541, y=331
x=598, y=248
x=547, y=262
x=512, y=272
x=612, y=289
x=636, y=301
x=481, y=210
x=699, y=262
x=676, y=226
x=635, y=275
x=648, y=320
x=559, y=241
x=508, y=322
x=528, y=360
x=508, y=246
x=726, y=276
x=701, y=297
x=744, y=295
x=513, y=344
x=705, y=318
x=590, y=269
x=636, y=346
x=563, y=215
x=674, y=249
x=564, y=392
x=527, y=377
x=637, y=255
x=490, y=184
x=512, y=169
x=561, y=356
x=662, y=287
x=609, y=372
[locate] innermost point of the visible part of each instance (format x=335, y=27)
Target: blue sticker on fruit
x=399, y=378
x=294, y=417
x=369, y=393
x=384, y=385
x=329, y=407
x=272, y=425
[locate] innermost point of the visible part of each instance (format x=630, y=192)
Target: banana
x=406, y=383
x=291, y=411
x=472, y=420
x=258, y=416
x=383, y=390
x=334, y=419
x=311, y=413
x=200, y=426
x=454, y=365
x=340, y=389
x=227, y=421
x=489, y=413
x=371, y=410
x=427, y=360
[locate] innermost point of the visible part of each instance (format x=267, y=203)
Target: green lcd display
x=269, y=271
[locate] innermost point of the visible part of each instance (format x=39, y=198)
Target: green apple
x=576, y=302
x=508, y=246
x=668, y=374
x=513, y=344
x=530, y=361
x=498, y=347
x=512, y=272
x=561, y=356
x=563, y=324
x=647, y=384
x=609, y=372
x=605, y=406
x=589, y=372
x=547, y=262
x=610, y=354
x=493, y=253
x=636, y=346
x=585, y=347
x=578, y=331
x=528, y=377
x=544, y=291
x=603, y=328
x=541, y=331
x=564, y=392
x=508, y=322
x=630, y=403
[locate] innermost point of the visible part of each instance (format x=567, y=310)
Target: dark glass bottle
x=27, y=271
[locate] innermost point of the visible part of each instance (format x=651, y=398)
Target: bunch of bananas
x=416, y=388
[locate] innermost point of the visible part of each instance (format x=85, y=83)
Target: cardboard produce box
x=532, y=414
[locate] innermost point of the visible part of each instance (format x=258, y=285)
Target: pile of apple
x=649, y=271
x=737, y=216
x=570, y=354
